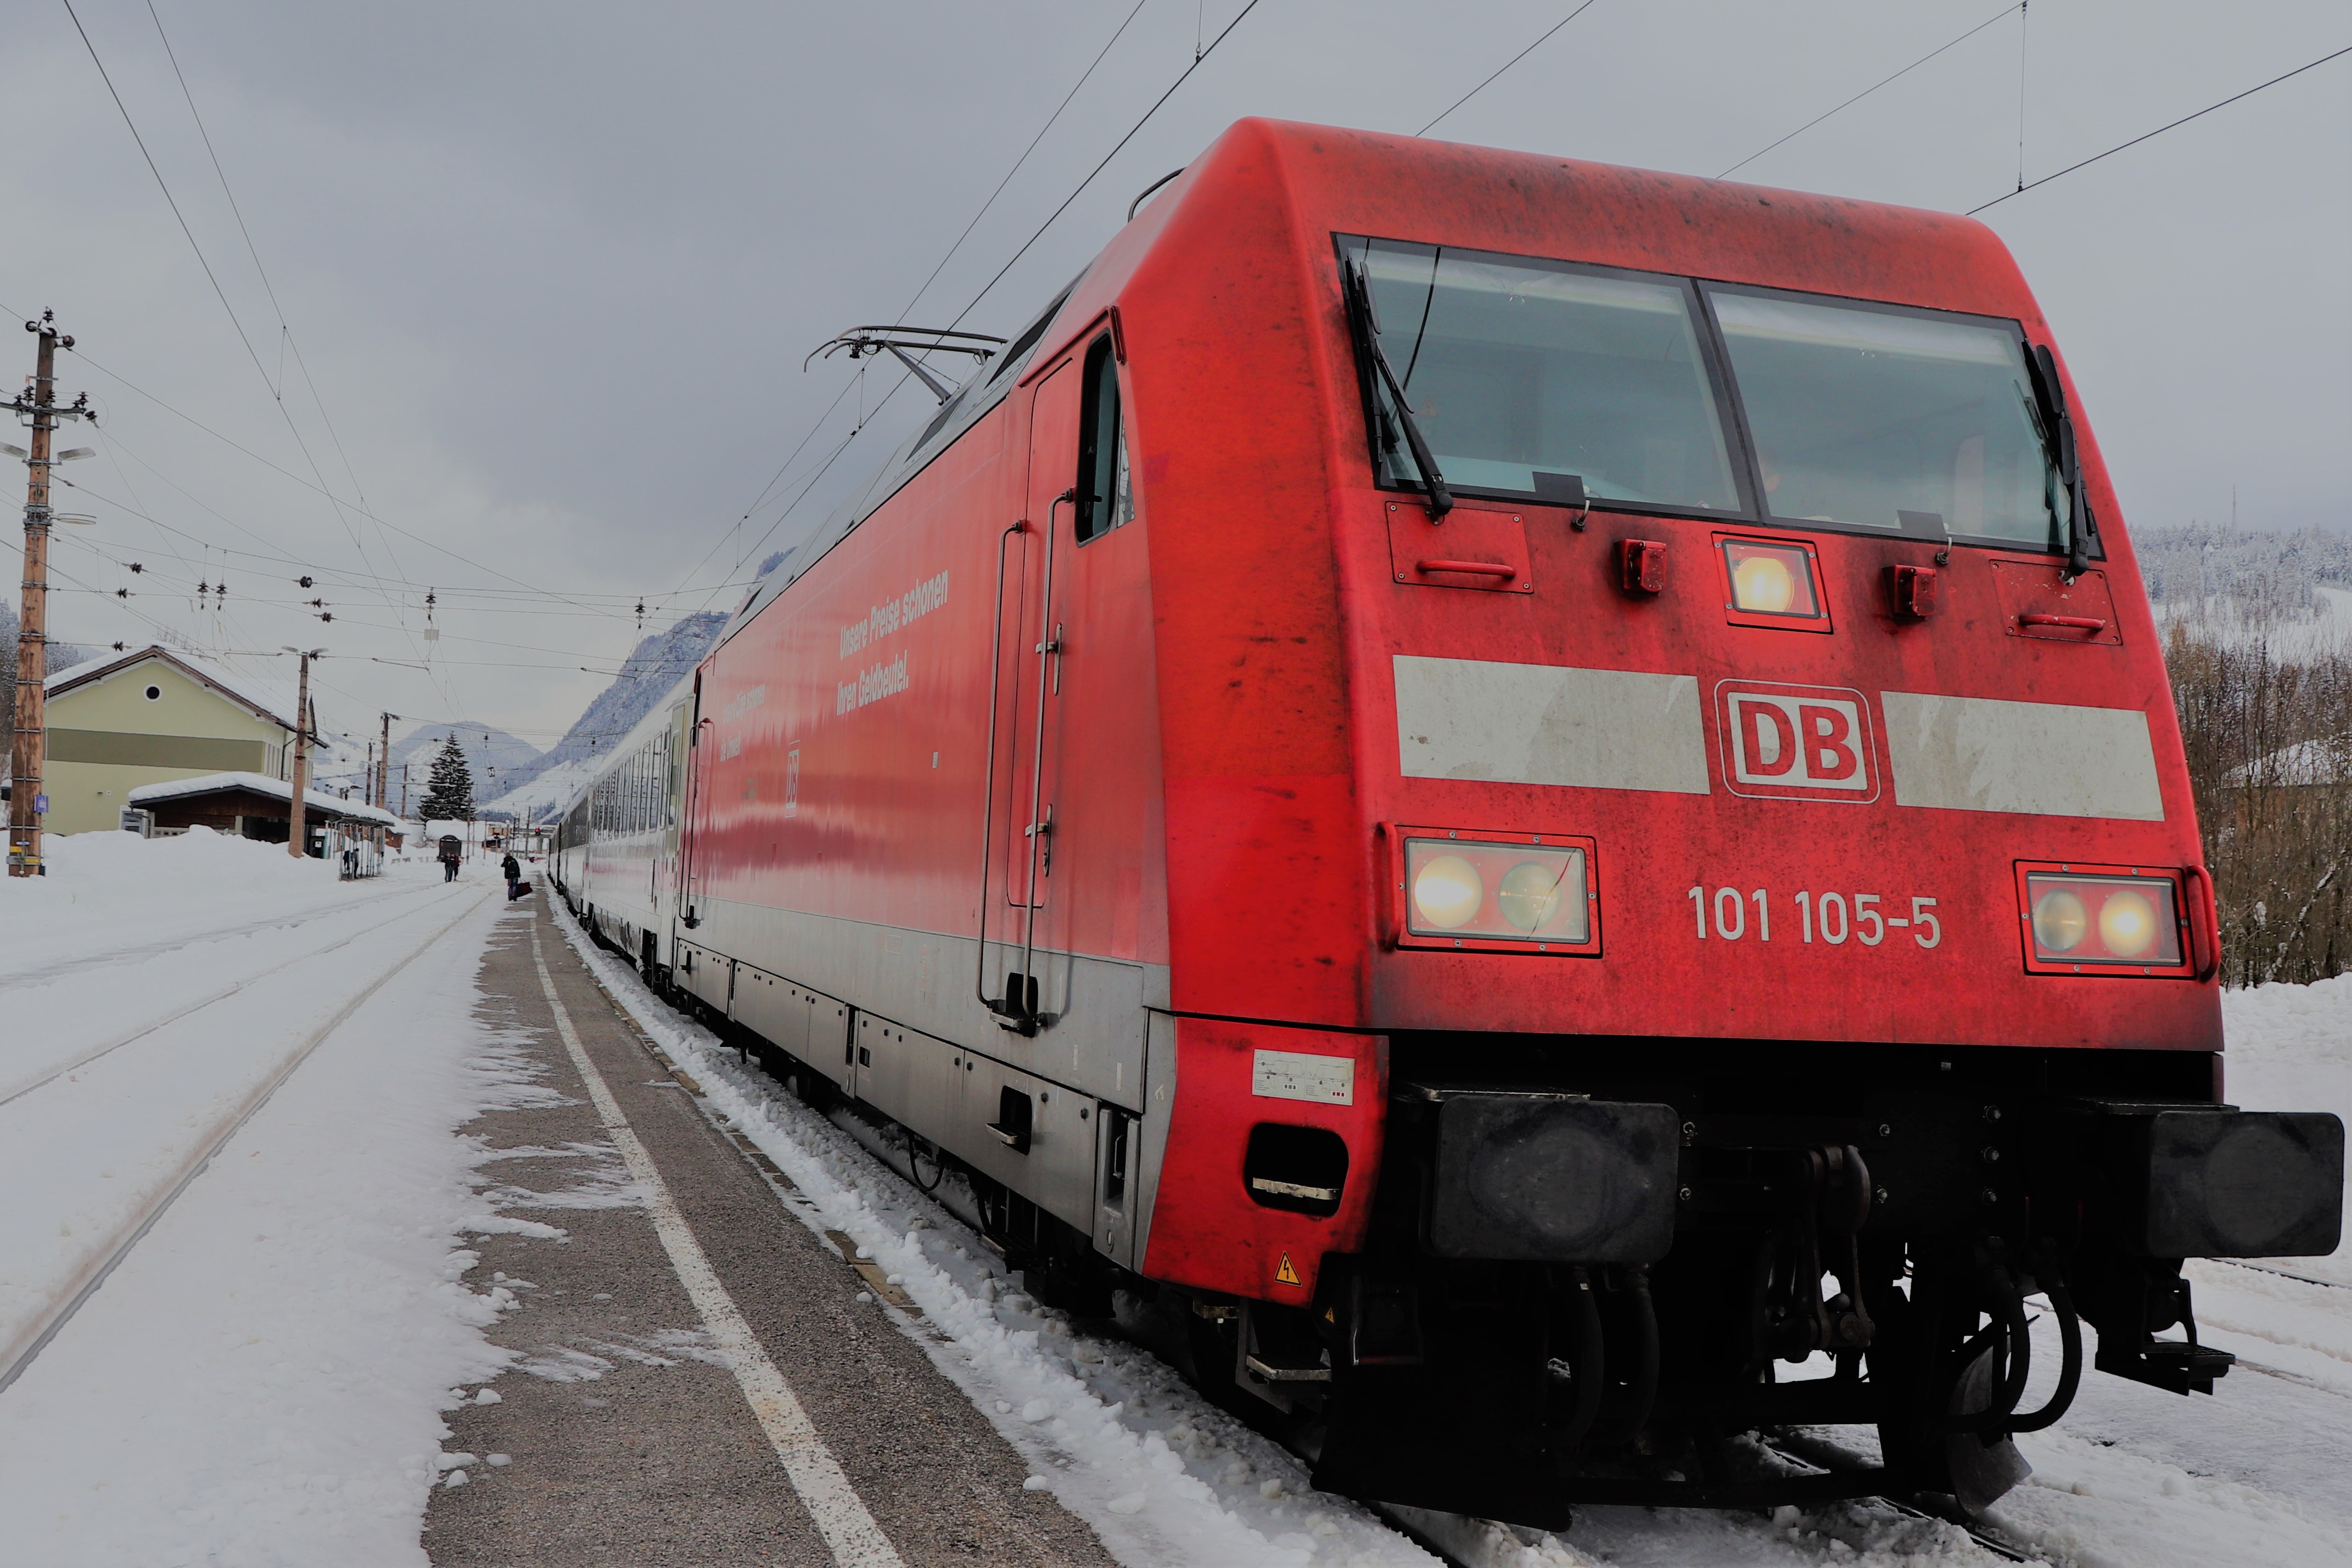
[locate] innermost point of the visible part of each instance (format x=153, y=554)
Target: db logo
x=1798, y=742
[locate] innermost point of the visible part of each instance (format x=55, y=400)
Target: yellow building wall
x=146, y=740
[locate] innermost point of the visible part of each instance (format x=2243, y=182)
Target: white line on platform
x=857, y=1541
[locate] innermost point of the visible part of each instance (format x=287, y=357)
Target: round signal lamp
x=1530, y=893
x=2060, y=920
x=2127, y=924
x=1764, y=584
x=1447, y=892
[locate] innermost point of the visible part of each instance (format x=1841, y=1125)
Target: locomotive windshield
x=1515, y=368
x=1861, y=414
x=1521, y=373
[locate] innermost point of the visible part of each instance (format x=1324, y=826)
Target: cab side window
x=1105, y=492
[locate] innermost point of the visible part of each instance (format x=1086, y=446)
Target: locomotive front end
x=1785, y=941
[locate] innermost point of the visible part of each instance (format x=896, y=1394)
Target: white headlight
x=1446, y=891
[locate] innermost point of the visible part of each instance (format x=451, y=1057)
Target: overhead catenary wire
x=277, y=396
x=1506, y=65
x=1199, y=56
x=1084, y=77
x=570, y=599
x=169, y=199
x=1199, y=53
x=357, y=581
x=286, y=332
x=2161, y=130
x=2006, y=10
x=1198, y=61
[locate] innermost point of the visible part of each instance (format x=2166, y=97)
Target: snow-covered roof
x=259, y=783
x=2304, y=763
x=265, y=699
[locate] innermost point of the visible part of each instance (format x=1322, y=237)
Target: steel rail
x=2279, y=1273
x=21, y=1352
x=1801, y=1450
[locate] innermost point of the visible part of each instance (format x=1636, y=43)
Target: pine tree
x=450, y=797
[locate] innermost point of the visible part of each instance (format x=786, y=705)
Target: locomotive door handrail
x=1049, y=649
x=1017, y=1008
x=690, y=832
x=988, y=770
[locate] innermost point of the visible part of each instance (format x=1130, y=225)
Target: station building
x=154, y=716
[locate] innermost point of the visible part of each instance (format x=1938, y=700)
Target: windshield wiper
x=2050, y=393
x=1366, y=326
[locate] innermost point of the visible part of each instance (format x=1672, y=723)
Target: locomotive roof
x=1336, y=180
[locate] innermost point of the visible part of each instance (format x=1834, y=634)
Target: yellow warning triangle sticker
x=1286, y=1275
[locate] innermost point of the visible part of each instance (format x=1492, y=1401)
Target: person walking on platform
x=450, y=851
x=513, y=869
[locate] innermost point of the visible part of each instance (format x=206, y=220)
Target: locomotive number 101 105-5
x=1830, y=918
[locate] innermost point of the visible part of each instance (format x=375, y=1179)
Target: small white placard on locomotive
x=1288, y=1075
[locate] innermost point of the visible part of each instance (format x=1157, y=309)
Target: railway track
x=98, y=1261
x=2280, y=1273
x=23, y=979
x=26, y=1083
x=1817, y=1454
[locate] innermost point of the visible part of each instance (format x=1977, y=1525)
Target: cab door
x=1023, y=876
x=1073, y=820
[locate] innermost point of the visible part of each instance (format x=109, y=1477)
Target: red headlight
x=2077, y=919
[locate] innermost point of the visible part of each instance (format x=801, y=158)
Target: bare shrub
x=2270, y=762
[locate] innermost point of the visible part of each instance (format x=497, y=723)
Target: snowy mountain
x=646, y=677
x=495, y=756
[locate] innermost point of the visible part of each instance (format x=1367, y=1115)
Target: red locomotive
x=1519, y=792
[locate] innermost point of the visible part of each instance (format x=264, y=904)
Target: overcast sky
x=552, y=270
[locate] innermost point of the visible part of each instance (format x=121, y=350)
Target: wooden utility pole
x=295, y=835
x=29, y=754
x=383, y=765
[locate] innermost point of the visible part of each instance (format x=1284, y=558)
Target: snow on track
x=2135, y=1479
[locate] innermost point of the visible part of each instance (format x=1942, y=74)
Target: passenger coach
x=1537, y=801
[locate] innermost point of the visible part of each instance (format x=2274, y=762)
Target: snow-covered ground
x=263, y=1377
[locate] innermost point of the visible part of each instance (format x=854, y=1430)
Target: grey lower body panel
x=926, y=981
x=892, y=1018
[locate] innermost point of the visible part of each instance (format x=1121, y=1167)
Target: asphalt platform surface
x=629, y=1439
